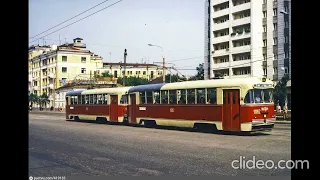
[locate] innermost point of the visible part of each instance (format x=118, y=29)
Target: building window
x=64, y=58
x=144, y=72
x=264, y=43
x=286, y=8
x=264, y=28
x=83, y=59
x=275, y=41
x=286, y=71
x=275, y=57
x=264, y=14
x=264, y=1
x=275, y=11
x=275, y=26
x=64, y=69
x=286, y=55
x=265, y=57
x=286, y=24
x=286, y=39
x=264, y=71
x=83, y=70
x=275, y=70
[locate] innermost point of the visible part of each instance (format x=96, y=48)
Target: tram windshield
x=259, y=96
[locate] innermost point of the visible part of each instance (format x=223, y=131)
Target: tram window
x=87, y=99
x=173, y=97
x=257, y=96
x=211, y=96
x=191, y=96
x=201, y=96
x=99, y=99
x=91, y=99
x=79, y=99
x=75, y=99
x=156, y=97
x=149, y=97
x=71, y=98
x=124, y=99
x=142, y=97
x=164, y=97
x=249, y=97
x=181, y=96
x=95, y=100
x=105, y=101
x=83, y=99
x=267, y=95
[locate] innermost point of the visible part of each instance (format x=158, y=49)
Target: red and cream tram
x=105, y=104
x=243, y=104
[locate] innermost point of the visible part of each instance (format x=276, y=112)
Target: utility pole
x=125, y=61
x=163, y=70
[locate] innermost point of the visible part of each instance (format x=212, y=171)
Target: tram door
x=114, y=108
x=132, y=109
x=231, y=110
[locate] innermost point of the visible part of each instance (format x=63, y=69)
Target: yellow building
x=147, y=71
x=50, y=67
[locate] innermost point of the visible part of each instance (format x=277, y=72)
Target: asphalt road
x=65, y=148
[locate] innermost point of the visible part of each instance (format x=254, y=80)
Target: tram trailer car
x=103, y=105
x=243, y=104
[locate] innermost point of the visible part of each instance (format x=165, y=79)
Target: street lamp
x=163, y=61
x=283, y=12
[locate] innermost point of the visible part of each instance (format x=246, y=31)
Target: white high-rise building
x=247, y=38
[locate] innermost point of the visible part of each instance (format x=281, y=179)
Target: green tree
x=106, y=74
x=33, y=98
x=200, y=73
x=43, y=100
x=133, y=81
x=280, y=91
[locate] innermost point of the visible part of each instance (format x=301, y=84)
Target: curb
x=282, y=122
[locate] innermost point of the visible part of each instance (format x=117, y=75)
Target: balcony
x=264, y=63
x=275, y=19
x=243, y=35
x=275, y=49
x=51, y=75
x=51, y=86
x=220, y=13
x=275, y=34
x=35, y=88
x=221, y=52
x=241, y=63
x=264, y=7
x=220, y=39
x=220, y=26
x=275, y=77
x=264, y=35
x=241, y=21
x=241, y=49
x=219, y=66
x=275, y=63
x=216, y=2
x=44, y=86
x=264, y=21
x=241, y=7
x=275, y=4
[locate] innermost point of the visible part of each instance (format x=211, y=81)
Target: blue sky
x=175, y=25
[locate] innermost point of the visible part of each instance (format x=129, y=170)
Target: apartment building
x=50, y=67
x=147, y=71
x=247, y=38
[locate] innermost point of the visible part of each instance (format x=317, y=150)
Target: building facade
x=247, y=38
x=50, y=67
x=147, y=71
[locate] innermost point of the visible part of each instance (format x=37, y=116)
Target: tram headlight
x=264, y=115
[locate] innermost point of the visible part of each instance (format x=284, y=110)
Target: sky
x=175, y=25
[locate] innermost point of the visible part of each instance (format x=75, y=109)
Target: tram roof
x=232, y=82
x=113, y=90
x=147, y=87
x=74, y=93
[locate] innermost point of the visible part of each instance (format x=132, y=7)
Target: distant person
x=258, y=98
